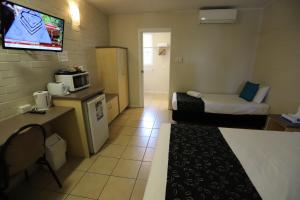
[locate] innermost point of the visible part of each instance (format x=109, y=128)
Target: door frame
x=140, y=58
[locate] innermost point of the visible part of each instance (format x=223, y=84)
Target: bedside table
x=278, y=123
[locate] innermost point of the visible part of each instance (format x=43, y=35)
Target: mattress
x=271, y=160
x=228, y=104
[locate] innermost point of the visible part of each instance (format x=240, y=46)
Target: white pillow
x=194, y=94
x=261, y=94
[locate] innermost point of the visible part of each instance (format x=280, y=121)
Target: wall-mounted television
x=29, y=29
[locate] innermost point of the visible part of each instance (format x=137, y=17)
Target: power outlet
x=25, y=108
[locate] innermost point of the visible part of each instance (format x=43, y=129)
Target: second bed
x=220, y=110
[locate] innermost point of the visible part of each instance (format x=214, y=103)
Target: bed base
x=221, y=120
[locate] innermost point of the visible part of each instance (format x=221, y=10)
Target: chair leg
x=53, y=173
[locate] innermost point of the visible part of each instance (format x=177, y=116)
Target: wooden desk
x=62, y=121
x=278, y=123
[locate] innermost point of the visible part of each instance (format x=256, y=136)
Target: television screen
x=25, y=28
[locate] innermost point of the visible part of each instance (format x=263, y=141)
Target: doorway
x=156, y=53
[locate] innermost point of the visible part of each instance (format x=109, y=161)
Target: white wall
x=217, y=57
x=278, y=55
x=23, y=72
x=156, y=76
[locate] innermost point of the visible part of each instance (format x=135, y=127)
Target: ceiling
x=143, y=6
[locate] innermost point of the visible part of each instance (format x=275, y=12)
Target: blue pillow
x=249, y=91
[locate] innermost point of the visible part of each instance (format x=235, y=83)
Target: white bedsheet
x=271, y=160
x=228, y=104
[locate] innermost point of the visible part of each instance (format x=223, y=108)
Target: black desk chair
x=22, y=150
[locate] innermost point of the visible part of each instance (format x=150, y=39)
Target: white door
x=97, y=119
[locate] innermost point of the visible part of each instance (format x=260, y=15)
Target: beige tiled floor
x=118, y=172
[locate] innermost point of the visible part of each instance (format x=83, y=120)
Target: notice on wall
x=63, y=56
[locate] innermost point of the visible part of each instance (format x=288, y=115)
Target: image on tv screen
x=25, y=28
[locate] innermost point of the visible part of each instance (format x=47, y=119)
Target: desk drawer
x=112, y=109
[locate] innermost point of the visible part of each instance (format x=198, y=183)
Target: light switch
x=179, y=60
x=176, y=60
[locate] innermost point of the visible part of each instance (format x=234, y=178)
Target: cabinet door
x=123, y=78
x=107, y=69
x=109, y=112
x=112, y=109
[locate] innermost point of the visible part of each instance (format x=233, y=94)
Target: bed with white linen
x=222, y=110
x=270, y=159
x=228, y=104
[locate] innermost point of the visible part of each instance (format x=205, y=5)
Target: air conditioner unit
x=217, y=16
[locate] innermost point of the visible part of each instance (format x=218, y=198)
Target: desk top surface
x=11, y=125
x=82, y=95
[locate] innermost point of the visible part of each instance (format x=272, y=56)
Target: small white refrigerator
x=96, y=122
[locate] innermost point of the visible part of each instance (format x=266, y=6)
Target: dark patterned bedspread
x=189, y=103
x=202, y=166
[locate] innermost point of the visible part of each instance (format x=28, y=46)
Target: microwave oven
x=74, y=81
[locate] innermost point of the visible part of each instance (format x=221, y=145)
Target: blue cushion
x=249, y=91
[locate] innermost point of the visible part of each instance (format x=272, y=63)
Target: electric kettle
x=42, y=100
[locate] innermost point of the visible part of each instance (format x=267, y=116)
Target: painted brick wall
x=24, y=72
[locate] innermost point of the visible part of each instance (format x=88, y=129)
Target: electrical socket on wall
x=25, y=108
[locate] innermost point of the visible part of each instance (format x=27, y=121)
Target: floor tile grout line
x=132, y=189
x=94, y=172
x=76, y=195
x=135, y=179
x=85, y=172
x=123, y=177
x=121, y=155
x=127, y=145
x=111, y=173
x=141, y=163
x=115, y=177
x=103, y=187
x=77, y=182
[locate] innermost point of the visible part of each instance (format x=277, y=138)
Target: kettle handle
x=35, y=95
x=48, y=99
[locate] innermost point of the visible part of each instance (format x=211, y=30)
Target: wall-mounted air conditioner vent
x=217, y=16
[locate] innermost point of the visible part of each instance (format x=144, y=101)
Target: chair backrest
x=24, y=148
